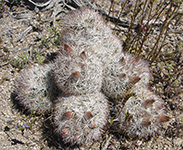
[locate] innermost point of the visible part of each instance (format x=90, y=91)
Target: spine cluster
x=90, y=70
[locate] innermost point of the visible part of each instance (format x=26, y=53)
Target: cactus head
x=77, y=73
x=80, y=119
x=142, y=114
x=34, y=89
x=120, y=76
x=86, y=28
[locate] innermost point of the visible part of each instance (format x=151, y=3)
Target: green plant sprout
x=38, y=57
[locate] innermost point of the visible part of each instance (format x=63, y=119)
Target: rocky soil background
x=29, y=36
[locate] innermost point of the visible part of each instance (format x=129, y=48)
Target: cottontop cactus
x=141, y=114
x=77, y=73
x=80, y=119
x=85, y=28
x=34, y=90
x=120, y=76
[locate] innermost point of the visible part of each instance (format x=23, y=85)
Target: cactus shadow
x=52, y=87
x=50, y=57
x=17, y=105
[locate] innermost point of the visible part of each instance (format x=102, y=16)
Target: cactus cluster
x=90, y=70
x=139, y=111
x=82, y=111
